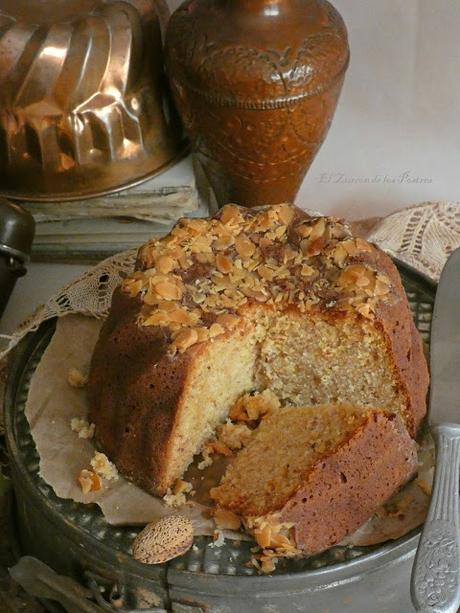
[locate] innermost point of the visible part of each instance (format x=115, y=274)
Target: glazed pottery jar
x=257, y=84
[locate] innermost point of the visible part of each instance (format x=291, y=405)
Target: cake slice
x=318, y=473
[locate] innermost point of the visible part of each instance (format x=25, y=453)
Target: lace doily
x=422, y=236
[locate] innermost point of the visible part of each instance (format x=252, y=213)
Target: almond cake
x=251, y=300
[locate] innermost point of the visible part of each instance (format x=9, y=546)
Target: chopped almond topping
x=244, y=247
x=304, y=230
x=220, y=448
x=164, y=264
x=211, y=269
x=76, y=378
x=266, y=273
x=230, y=214
x=89, y=481
x=182, y=487
x=215, y=330
x=224, y=264
x=168, y=290
x=185, y=339
x=286, y=214
x=318, y=229
x=228, y=321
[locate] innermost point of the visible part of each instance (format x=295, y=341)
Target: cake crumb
x=207, y=459
x=182, y=487
x=82, y=427
x=234, y=436
x=89, y=481
x=220, y=448
x=251, y=407
x=226, y=520
x=176, y=497
x=76, y=378
x=103, y=467
x=219, y=539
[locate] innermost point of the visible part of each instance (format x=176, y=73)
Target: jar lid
x=17, y=229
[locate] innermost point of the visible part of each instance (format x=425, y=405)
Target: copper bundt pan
x=84, y=109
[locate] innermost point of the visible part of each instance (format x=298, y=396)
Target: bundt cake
x=251, y=299
x=316, y=474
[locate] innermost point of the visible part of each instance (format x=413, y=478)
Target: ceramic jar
x=257, y=83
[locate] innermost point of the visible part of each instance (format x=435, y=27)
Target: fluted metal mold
x=83, y=105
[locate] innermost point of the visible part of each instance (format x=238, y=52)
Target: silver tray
x=75, y=540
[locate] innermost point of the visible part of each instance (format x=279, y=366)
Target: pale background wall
x=395, y=139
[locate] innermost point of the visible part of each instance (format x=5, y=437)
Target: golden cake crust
x=143, y=364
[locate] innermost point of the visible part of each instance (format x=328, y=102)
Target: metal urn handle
x=436, y=573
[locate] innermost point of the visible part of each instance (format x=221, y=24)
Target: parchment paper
x=52, y=403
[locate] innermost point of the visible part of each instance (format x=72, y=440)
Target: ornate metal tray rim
x=363, y=559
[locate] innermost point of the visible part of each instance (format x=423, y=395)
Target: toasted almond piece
x=223, y=242
x=182, y=487
x=215, y=330
x=75, y=378
x=220, y=448
x=183, y=317
x=307, y=271
x=365, y=310
x=263, y=536
x=230, y=214
x=89, y=481
x=185, y=339
x=226, y=520
x=201, y=244
x=280, y=232
x=164, y=540
x=303, y=230
x=165, y=264
x=340, y=254
x=356, y=275
x=280, y=541
x=203, y=334
x=228, y=321
x=167, y=305
x=265, y=272
x=244, y=247
x=363, y=245
x=224, y=263
x=268, y=565
x=286, y=214
x=315, y=246
x=198, y=225
x=318, y=229
x=381, y=287
x=132, y=286
x=168, y=290
x=158, y=318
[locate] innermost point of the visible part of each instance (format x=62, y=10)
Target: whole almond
x=164, y=540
